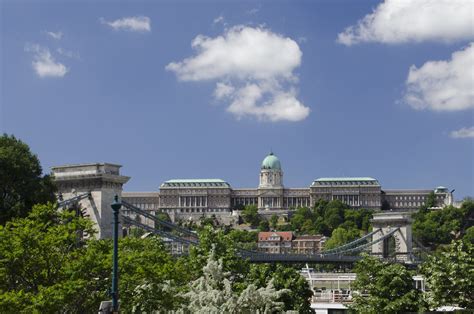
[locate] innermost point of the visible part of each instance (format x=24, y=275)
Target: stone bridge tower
x=102, y=180
x=387, y=222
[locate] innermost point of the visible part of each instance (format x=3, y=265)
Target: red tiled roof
x=285, y=235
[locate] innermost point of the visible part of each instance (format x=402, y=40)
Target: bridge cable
x=74, y=199
x=156, y=231
x=162, y=222
x=361, y=247
x=342, y=247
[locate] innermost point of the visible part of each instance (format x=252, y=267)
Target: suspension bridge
x=385, y=227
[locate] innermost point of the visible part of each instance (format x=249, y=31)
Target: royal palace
x=189, y=199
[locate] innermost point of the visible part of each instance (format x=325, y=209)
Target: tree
x=22, y=184
x=469, y=236
x=450, y=277
x=250, y=215
x=442, y=226
x=388, y=288
x=45, y=267
x=284, y=277
x=224, y=249
x=34, y=252
x=264, y=225
x=213, y=293
x=274, y=221
x=431, y=200
x=341, y=236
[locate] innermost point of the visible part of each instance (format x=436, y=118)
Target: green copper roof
x=346, y=181
x=271, y=162
x=195, y=183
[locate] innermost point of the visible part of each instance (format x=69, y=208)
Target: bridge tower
x=102, y=180
x=387, y=222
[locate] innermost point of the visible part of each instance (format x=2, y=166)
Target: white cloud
x=223, y=90
x=55, y=35
x=276, y=104
x=44, y=63
x=219, y=19
x=253, y=11
x=254, y=69
x=133, y=23
x=443, y=85
x=463, y=133
x=68, y=53
x=398, y=21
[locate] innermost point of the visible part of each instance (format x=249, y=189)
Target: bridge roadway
x=255, y=257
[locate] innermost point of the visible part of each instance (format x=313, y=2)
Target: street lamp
x=116, y=207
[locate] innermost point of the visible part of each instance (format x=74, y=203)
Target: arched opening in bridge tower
x=389, y=247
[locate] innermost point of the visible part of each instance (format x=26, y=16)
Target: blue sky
x=120, y=82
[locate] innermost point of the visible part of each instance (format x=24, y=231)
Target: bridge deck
x=299, y=258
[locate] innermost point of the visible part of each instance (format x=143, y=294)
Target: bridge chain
x=364, y=246
x=156, y=231
x=342, y=247
x=158, y=220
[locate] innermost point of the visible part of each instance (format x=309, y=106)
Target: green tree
x=334, y=214
x=450, y=276
x=341, y=236
x=34, y=253
x=274, y=221
x=264, y=225
x=442, y=226
x=431, y=200
x=469, y=236
x=384, y=288
x=250, y=215
x=46, y=267
x=301, y=216
x=22, y=184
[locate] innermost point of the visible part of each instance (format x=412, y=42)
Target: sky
x=206, y=89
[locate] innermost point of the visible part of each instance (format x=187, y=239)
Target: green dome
x=271, y=162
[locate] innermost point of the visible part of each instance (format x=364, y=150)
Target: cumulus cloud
x=399, y=21
x=44, y=64
x=254, y=69
x=55, y=35
x=133, y=23
x=463, y=133
x=443, y=85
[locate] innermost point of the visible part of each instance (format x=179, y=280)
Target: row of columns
x=192, y=201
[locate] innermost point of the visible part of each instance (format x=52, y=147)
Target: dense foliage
x=388, y=288
x=326, y=216
x=213, y=293
x=436, y=227
x=21, y=182
x=45, y=267
x=450, y=276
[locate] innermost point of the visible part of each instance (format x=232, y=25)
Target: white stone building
x=190, y=199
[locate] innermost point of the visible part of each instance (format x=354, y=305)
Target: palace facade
x=185, y=199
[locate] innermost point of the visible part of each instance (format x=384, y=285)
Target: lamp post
x=116, y=207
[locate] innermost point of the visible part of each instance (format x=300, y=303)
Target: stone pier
x=102, y=180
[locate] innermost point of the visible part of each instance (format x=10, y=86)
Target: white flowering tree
x=212, y=293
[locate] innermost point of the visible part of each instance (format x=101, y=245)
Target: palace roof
x=346, y=181
x=195, y=183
